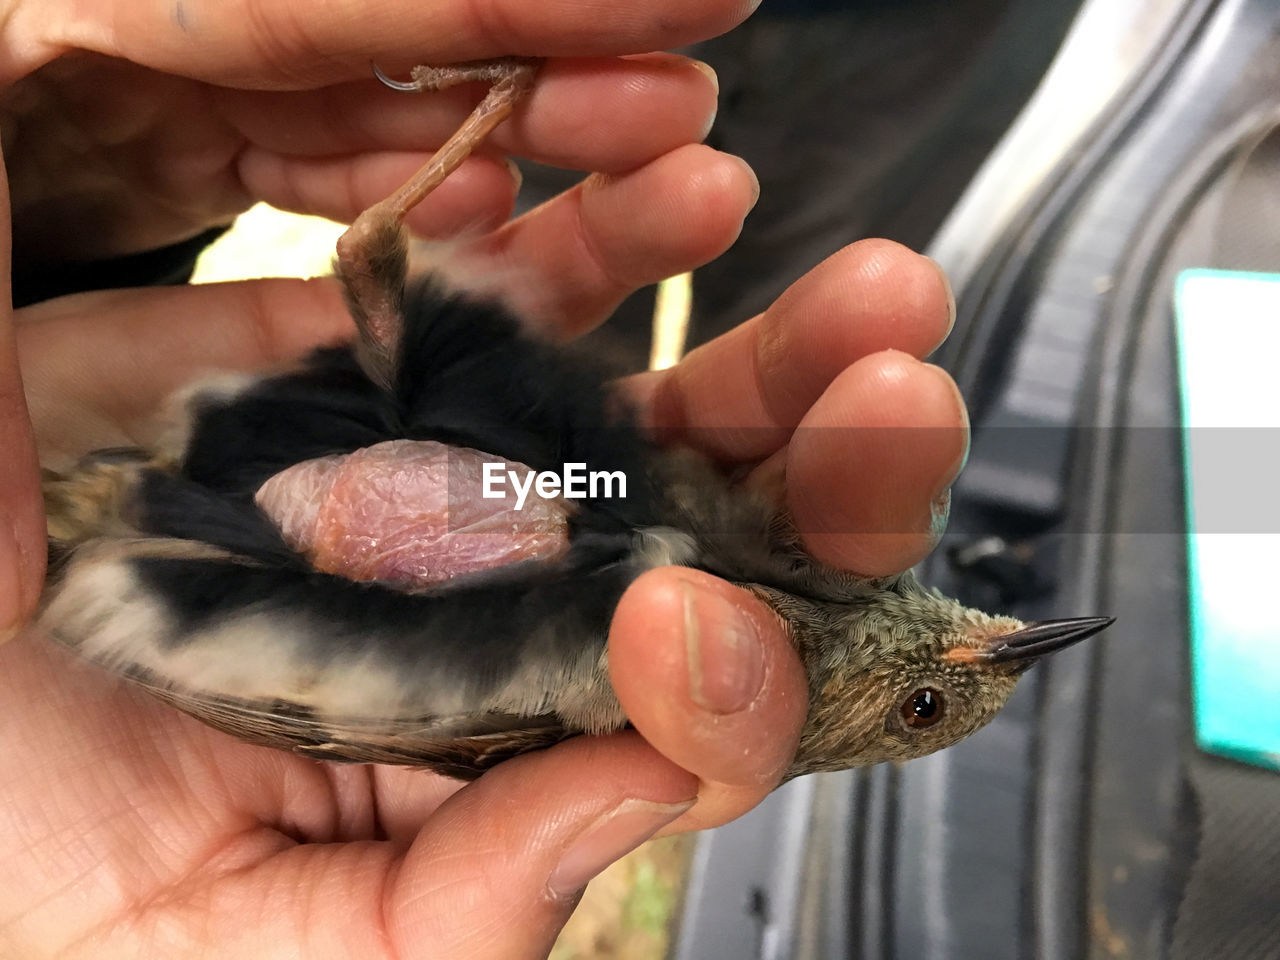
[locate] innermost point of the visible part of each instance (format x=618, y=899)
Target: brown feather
x=439, y=744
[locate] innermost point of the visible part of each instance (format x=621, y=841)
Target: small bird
x=385, y=554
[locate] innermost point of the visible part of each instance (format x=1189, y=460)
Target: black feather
x=468, y=639
x=469, y=376
x=175, y=506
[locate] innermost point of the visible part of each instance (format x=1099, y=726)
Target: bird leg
x=372, y=260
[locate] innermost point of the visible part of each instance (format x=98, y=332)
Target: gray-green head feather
x=883, y=682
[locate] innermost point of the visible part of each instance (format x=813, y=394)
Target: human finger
x=568, y=263
x=21, y=512
x=493, y=873
x=277, y=43
x=22, y=549
x=90, y=385
x=609, y=115
x=475, y=198
x=869, y=468
x=739, y=397
x=497, y=869
x=707, y=674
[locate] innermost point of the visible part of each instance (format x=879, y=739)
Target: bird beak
x=1035, y=640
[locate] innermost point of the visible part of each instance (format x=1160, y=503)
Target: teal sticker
x=1228, y=327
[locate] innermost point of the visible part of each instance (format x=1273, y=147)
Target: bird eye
x=923, y=708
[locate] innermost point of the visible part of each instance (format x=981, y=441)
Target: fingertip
x=949, y=406
x=597, y=243
x=869, y=466
x=905, y=291
x=950, y=294
x=709, y=72
x=642, y=105
x=694, y=199
x=870, y=296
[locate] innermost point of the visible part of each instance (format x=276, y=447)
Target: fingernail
x=726, y=659
x=706, y=70
x=514, y=169
x=951, y=296
x=709, y=72
x=963, y=411
x=939, y=514
x=755, y=181
x=614, y=834
x=11, y=570
x=769, y=479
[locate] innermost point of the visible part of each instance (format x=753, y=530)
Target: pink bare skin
x=409, y=512
x=127, y=829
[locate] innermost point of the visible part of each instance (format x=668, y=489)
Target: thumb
x=500, y=866
x=22, y=532
x=493, y=874
x=709, y=676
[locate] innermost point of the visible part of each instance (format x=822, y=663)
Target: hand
x=133, y=830
x=131, y=126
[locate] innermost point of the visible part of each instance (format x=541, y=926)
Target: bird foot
x=372, y=255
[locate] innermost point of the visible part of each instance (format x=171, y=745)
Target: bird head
x=901, y=671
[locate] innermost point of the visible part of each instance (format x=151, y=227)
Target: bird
x=407, y=549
